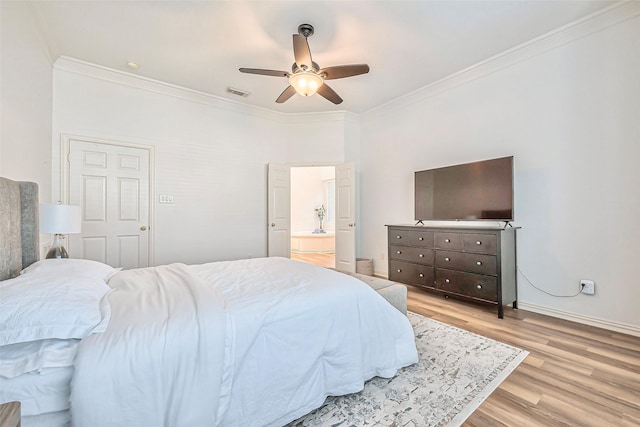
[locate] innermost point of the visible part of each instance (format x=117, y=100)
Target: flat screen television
x=472, y=191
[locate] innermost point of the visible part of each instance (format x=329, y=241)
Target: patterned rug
x=457, y=371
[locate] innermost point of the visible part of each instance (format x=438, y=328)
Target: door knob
x=351, y=225
x=273, y=224
x=143, y=228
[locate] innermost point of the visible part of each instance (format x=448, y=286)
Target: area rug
x=457, y=371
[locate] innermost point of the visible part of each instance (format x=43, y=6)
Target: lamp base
x=57, y=250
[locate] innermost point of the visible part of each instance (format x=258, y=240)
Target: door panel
x=94, y=198
x=112, y=184
x=94, y=248
x=129, y=251
x=279, y=211
x=129, y=199
x=345, y=217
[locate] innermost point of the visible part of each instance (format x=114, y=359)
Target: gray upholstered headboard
x=19, y=236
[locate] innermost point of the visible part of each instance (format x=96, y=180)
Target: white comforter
x=241, y=343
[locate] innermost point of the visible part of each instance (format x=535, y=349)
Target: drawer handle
x=398, y=252
x=399, y=271
x=398, y=237
x=478, y=242
x=447, y=281
x=421, y=275
x=447, y=241
x=421, y=255
x=479, y=286
x=420, y=238
x=447, y=259
x=478, y=262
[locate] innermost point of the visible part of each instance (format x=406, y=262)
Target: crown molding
x=317, y=117
x=597, y=21
x=607, y=17
x=123, y=78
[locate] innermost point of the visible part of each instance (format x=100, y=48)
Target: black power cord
x=549, y=293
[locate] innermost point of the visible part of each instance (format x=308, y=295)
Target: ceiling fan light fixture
x=306, y=83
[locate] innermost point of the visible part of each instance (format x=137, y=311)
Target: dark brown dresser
x=476, y=263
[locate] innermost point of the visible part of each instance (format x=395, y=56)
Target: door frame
x=334, y=164
x=312, y=165
x=65, y=146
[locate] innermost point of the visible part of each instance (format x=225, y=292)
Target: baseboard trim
x=566, y=315
x=579, y=318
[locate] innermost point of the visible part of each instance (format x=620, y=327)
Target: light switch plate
x=166, y=198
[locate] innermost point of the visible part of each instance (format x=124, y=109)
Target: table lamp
x=59, y=220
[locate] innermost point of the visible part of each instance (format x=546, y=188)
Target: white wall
x=315, y=138
x=210, y=155
x=571, y=118
x=26, y=94
x=307, y=193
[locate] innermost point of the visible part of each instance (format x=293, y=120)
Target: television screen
x=471, y=191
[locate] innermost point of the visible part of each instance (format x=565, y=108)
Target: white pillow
x=20, y=358
x=36, y=307
x=71, y=267
x=40, y=392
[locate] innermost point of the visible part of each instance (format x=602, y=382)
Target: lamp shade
x=306, y=83
x=60, y=219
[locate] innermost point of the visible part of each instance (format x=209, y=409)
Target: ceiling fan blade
x=286, y=94
x=342, y=71
x=301, y=52
x=328, y=93
x=264, y=72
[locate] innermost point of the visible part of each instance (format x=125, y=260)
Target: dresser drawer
x=467, y=284
x=411, y=254
x=411, y=274
x=474, y=263
x=411, y=238
x=480, y=243
x=451, y=241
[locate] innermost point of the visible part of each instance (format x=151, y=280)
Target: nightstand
x=10, y=414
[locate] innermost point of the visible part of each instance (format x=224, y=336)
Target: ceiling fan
x=306, y=77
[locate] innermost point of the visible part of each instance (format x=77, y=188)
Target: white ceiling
x=200, y=45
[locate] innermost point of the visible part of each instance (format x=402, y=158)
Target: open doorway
x=313, y=213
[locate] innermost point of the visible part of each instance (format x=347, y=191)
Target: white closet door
x=346, y=217
x=111, y=184
x=279, y=211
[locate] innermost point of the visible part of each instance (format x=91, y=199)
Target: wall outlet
x=588, y=287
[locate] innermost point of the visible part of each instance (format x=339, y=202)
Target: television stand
x=473, y=263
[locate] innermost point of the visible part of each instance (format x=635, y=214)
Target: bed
x=257, y=342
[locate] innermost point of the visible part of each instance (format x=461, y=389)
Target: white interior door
x=279, y=210
x=111, y=184
x=346, y=217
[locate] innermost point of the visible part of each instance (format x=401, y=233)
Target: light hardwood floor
x=323, y=260
x=575, y=375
